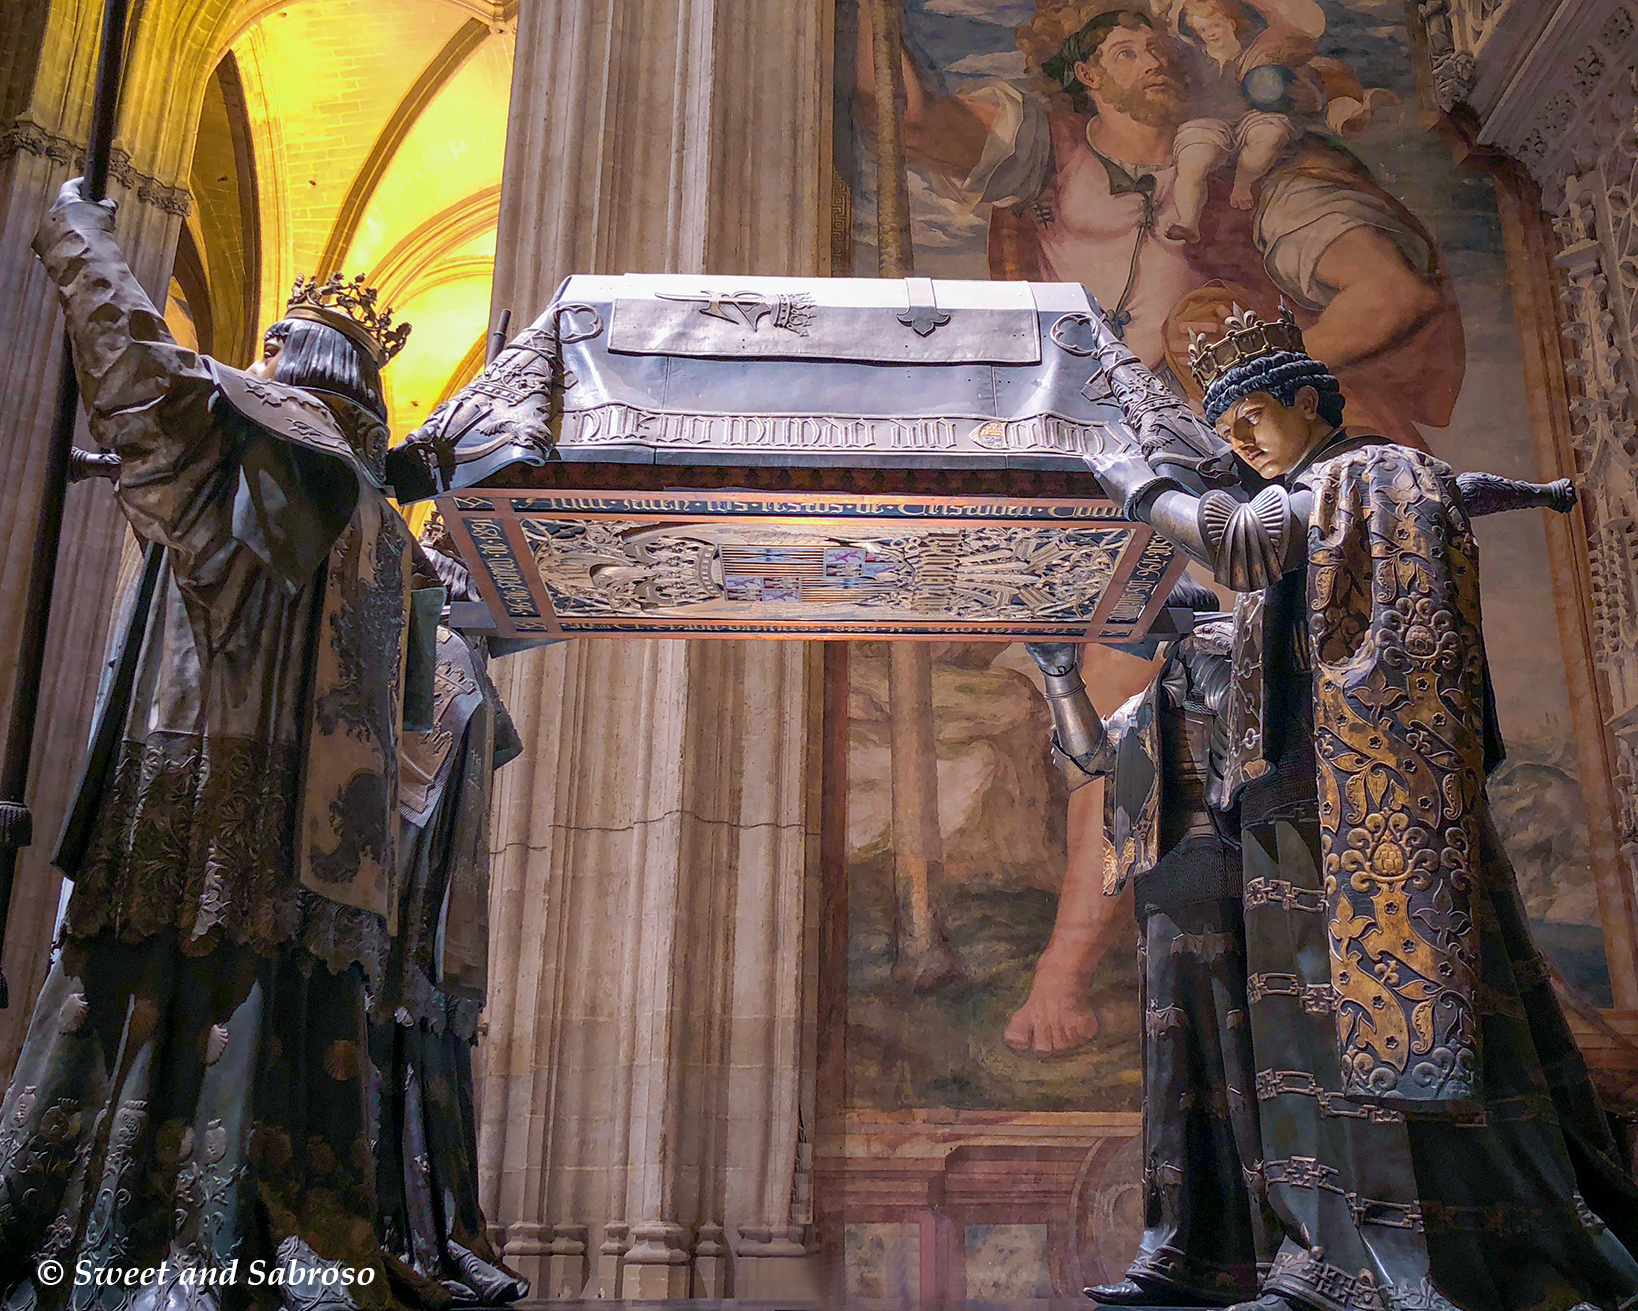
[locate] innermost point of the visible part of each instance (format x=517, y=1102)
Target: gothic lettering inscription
x=503, y=568
x=620, y=424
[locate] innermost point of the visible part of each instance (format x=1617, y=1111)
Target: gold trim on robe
x=1399, y=714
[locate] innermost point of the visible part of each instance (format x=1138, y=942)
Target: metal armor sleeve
x=1077, y=731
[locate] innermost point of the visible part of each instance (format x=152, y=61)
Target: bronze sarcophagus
x=782, y=457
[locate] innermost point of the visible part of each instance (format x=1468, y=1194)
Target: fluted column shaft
x=39, y=150
x=649, y=1035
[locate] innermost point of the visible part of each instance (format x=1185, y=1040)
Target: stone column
x=40, y=148
x=650, y=1036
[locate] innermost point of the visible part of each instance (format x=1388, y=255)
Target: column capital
x=25, y=137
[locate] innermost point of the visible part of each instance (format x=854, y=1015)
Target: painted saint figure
x=1082, y=176
x=424, y=1022
x=192, y=1090
x=1429, y=1135
x=1158, y=756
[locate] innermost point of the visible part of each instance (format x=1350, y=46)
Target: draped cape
x=1403, y=730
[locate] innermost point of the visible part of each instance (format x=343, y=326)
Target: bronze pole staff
x=923, y=960
x=16, y=820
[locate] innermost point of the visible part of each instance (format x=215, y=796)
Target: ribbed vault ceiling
x=377, y=129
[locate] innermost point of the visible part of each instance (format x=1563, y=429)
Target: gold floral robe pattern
x=1399, y=688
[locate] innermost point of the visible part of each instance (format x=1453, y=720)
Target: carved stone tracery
x=1597, y=224
x=24, y=137
x=1555, y=86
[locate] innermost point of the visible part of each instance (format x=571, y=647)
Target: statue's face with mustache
x=1135, y=72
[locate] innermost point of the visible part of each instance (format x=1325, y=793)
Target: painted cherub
x=1260, y=85
x=1250, y=77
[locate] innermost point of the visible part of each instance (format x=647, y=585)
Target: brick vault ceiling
x=377, y=130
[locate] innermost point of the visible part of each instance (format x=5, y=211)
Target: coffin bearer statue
x=424, y=1020
x=1429, y=1134
x=1170, y=829
x=1158, y=756
x=192, y=1088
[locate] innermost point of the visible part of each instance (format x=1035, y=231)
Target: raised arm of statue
x=228, y=501
x=1249, y=545
x=148, y=399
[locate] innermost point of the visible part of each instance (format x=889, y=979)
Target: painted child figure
x=1243, y=87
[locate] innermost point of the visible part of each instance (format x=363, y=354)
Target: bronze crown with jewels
x=349, y=308
x=1246, y=337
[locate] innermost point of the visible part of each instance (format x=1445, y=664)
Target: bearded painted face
x=1135, y=72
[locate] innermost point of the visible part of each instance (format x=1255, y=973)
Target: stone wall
x=648, y=1066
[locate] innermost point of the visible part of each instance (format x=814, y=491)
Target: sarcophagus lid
x=795, y=457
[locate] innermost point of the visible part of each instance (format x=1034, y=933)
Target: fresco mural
x=1208, y=153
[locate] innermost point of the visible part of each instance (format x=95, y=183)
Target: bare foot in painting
x=1182, y=232
x=1052, y=1022
x=1242, y=196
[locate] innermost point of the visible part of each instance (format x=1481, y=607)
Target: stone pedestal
x=567, y=1264
x=776, y=1263
x=610, y=1256
x=710, y=1262
x=527, y=1250
x=656, y=1265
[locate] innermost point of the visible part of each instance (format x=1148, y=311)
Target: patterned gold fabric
x=1399, y=686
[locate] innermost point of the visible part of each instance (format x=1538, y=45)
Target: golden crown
x=348, y=307
x=1245, y=338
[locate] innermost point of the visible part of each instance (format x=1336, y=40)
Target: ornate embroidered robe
x=422, y=1032
x=1203, y=1234
x=1429, y=1132
x=243, y=780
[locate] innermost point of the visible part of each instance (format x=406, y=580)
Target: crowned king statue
x=1428, y=1133
x=192, y=1089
